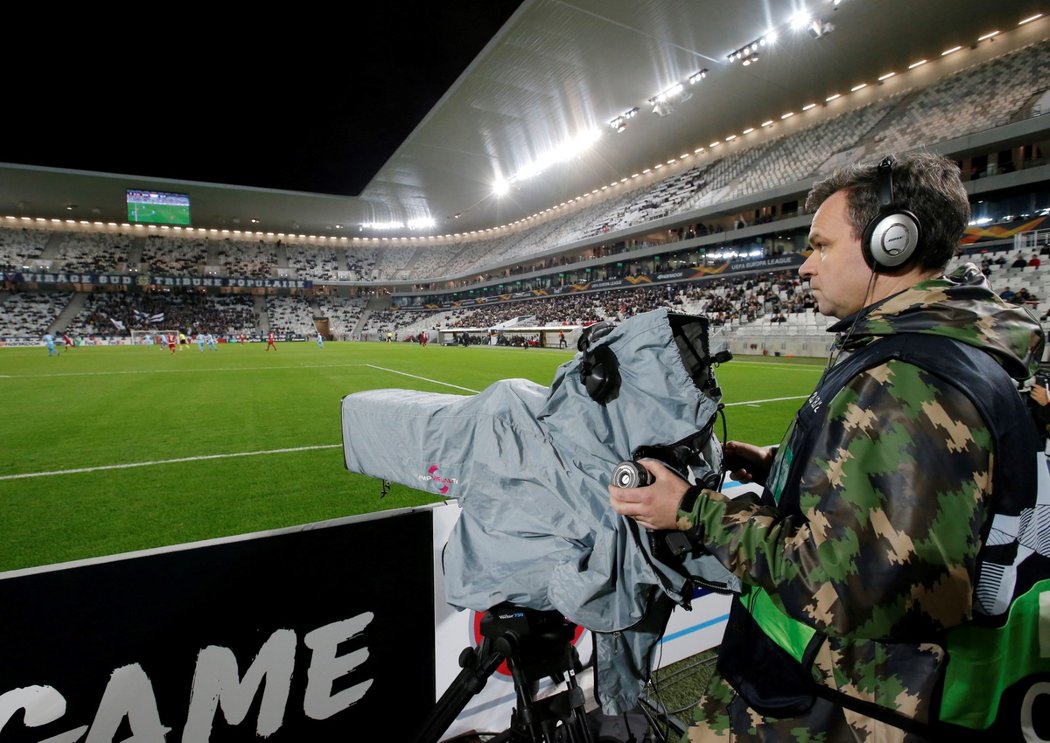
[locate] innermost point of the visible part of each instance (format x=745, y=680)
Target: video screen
x=158, y=207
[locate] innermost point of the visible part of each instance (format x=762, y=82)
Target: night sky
x=307, y=101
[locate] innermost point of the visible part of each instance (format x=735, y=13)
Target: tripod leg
x=477, y=667
x=559, y=717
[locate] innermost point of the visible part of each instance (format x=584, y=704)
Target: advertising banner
x=308, y=634
x=192, y=282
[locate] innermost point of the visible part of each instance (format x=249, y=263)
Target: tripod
x=535, y=644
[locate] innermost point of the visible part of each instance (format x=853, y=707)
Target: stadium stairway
x=50, y=251
x=1033, y=106
x=868, y=140
x=71, y=310
x=135, y=251
x=375, y=303
x=262, y=314
x=360, y=325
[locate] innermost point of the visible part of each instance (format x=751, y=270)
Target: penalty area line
x=156, y=462
x=425, y=379
x=771, y=399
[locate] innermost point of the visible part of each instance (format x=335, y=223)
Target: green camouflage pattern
x=960, y=306
x=893, y=497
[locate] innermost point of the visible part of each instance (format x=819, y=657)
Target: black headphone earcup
x=890, y=240
x=599, y=372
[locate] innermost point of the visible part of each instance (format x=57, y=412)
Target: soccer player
x=212, y=344
x=67, y=340
x=270, y=342
x=200, y=341
x=49, y=340
x=171, y=342
x=320, y=340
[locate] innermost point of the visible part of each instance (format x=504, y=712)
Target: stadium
x=179, y=327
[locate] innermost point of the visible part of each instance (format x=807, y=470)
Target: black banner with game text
x=315, y=634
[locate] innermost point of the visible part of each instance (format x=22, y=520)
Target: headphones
x=891, y=239
x=599, y=368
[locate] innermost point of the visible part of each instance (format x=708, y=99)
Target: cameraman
x=862, y=549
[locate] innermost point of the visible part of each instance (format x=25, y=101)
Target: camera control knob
x=631, y=475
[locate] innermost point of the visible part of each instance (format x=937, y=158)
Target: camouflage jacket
x=872, y=540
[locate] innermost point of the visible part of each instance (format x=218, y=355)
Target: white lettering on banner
x=129, y=694
x=1039, y=689
x=325, y=667
x=43, y=704
x=216, y=682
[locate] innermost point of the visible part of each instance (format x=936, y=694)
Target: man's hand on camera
x=654, y=506
x=1039, y=394
x=747, y=462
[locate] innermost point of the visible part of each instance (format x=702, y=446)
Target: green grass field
x=98, y=410
x=159, y=213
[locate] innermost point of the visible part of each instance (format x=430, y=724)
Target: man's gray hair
x=925, y=184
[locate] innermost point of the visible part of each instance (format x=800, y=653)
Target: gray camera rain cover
x=529, y=466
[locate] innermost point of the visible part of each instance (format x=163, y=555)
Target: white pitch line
x=179, y=371
x=81, y=470
x=800, y=367
x=771, y=399
x=425, y=379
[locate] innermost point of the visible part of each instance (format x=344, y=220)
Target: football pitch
x=106, y=450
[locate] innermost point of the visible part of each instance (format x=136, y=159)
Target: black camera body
x=667, y=545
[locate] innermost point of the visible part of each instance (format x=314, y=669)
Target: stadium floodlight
x=697, y=77
x=800, y=20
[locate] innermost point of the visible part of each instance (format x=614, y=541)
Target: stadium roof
x=424, y=110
